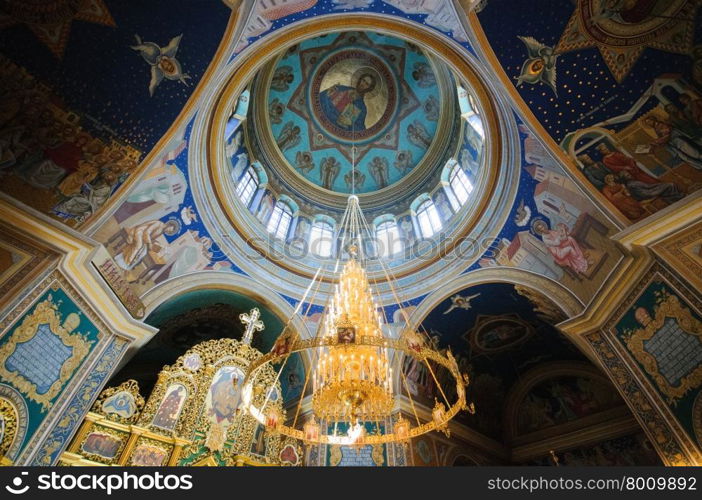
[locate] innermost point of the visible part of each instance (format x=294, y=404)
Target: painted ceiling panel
x=618, y=87
x=390, y=116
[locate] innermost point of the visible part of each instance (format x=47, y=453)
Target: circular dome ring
x=240, y=234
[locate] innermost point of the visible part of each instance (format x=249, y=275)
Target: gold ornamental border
x=45, y=312
x=433, y=43
x=671, y=307
x=422, y=354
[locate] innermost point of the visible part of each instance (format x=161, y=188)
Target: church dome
x=363, y=112
x=359, y=98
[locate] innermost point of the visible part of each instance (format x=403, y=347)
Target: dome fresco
x=331, y=92
x=407, y=119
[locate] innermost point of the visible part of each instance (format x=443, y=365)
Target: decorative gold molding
x=667, y=437
x=669, y=307
x=45, y=312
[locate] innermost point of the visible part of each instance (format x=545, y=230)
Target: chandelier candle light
x=351, y=373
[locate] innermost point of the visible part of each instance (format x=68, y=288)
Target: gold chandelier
x=351, y=373
x=352, y=381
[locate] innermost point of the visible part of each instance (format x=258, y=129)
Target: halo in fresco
x=353, y=95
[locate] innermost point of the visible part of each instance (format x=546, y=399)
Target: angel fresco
x=304, y=161
x=282, y=78
x=418, y=134
x=289, y=137
x=461, y=302
x=329, y=171
x=540, y=65
x=431, y=108
x=379, y=171
x=423, y=75
x=354, y=179
x=275, y=111
x=403, y=161
x=162, y=60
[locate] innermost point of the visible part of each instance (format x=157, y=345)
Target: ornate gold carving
x=697, y=418
x=148, y=449
x=106, y=431
x=130, y=387
x=378, y=455
x=657, y=428
x=8, y=425
x=683, y=251
x=669, y=307
x=45, y=312
x=334, y=455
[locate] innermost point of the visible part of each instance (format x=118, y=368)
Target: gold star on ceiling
x=50, y=20
x=623, y=29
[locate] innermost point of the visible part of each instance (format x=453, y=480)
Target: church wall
x=660, y=327
x=55, y=354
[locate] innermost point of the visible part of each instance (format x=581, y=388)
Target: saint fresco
x=166, y=416
x=224, y=395
x=353, y=90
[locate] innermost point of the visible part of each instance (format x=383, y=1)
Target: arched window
x=279, y=223
x=460, y=185
x=388, y=238
x=322, y=238
x=247, y=186
x=428, y=219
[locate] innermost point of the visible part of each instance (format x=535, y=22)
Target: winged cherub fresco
x=162, y=60
x=540, y=65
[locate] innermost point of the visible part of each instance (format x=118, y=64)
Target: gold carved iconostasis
x=191, y=417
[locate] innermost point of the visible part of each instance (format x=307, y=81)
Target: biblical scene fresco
x=67, y=142
x=662, y=330
x=52, y=158
x=556, y=231
x=563, y=399
x=155, y=233
x=510, y=335
x=638, y=143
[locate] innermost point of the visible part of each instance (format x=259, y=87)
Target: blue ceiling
x=494, y=372
x=587, y=91
x=400, y=99
x=103, y=79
